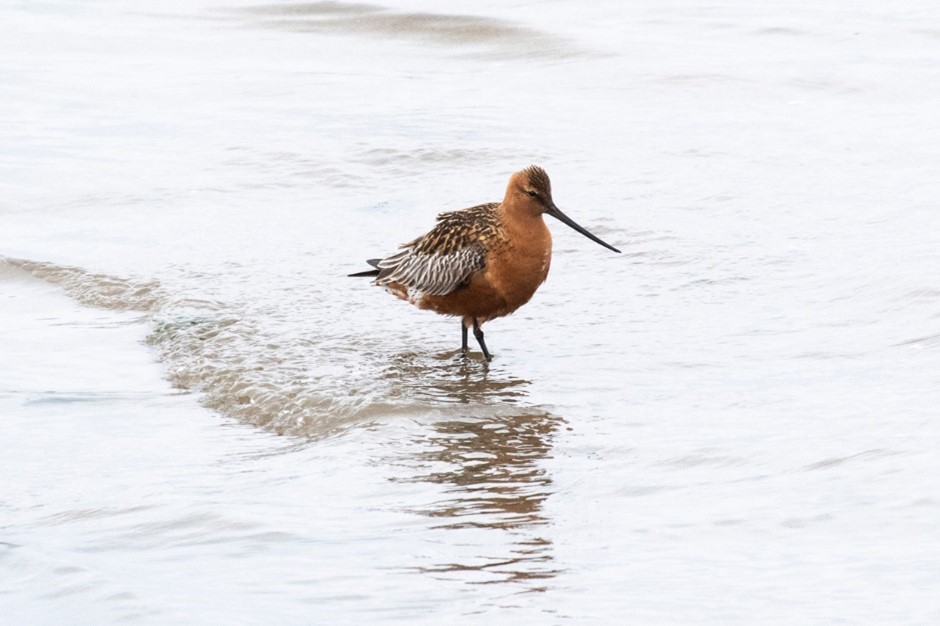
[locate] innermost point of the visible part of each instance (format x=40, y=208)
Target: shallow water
x=734, y=421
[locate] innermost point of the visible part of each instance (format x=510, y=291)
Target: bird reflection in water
x=432, y=380
x=493, y=480
x=488, y=463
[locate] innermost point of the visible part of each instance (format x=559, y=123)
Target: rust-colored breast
x=517, y=262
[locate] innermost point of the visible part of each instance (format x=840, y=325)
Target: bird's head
x=530, y=192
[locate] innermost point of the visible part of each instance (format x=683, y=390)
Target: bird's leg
x=478, y=333
x=463, y=336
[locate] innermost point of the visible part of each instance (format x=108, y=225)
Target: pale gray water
x=735, y=421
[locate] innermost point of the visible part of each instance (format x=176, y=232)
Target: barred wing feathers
x=445, y=258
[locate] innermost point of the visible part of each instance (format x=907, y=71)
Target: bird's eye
x=532, y=194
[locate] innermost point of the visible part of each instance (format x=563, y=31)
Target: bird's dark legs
x=478, y=333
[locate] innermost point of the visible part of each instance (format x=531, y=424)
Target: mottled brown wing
x=445, y=258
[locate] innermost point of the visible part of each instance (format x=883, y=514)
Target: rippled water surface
x=206, y=421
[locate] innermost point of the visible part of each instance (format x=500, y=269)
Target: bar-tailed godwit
x=483, y=262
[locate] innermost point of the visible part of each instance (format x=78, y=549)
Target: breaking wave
x=263, y=367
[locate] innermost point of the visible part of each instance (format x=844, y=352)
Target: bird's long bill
x=561, y=217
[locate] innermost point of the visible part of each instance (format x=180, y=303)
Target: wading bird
x=483, y=262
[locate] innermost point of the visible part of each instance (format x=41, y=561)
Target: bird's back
x=442, y=260
x=457, y=230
